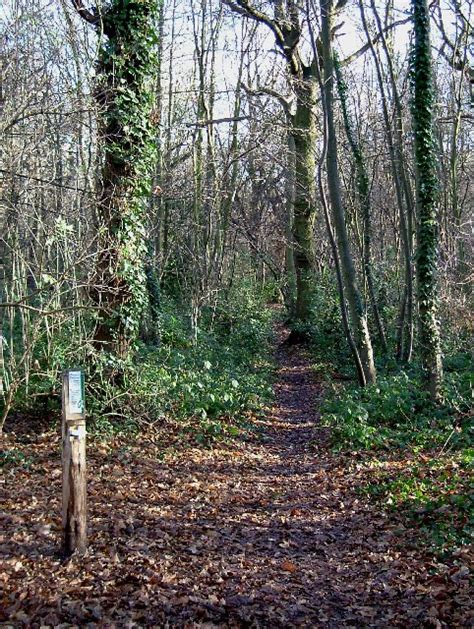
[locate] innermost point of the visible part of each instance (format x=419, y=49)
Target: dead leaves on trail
x=288, y=566
x=267, y=533
x=222, y=537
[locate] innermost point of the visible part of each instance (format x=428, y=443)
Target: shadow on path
x=268, y=533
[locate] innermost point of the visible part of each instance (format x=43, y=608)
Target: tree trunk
x=124, y=101
x=403, y=193
x=427, y=200
x=363, y=193
x=357, y=309
x=290, y=268
x=287, y=28
x=303, y=132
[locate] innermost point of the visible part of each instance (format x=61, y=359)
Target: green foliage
x=126, y=62
x=209, y=386
x=244, y=319
x=124, y=91
x=427, y=192
x=434, y=494
x=205, y=386
x=324, y=327
x=430, y=493
x=14, y=458
x=397, y=412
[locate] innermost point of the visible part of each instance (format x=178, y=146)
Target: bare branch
x=268, y=91
x=243, y=7
x=454, y=59
x=91, y=16
x=286, y=37
x=374, y=41
x=205, y=123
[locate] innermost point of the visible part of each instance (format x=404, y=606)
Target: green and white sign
x=76, y=396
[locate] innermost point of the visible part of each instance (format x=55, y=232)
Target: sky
x=349, y=38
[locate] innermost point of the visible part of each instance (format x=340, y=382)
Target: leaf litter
x=264, y=532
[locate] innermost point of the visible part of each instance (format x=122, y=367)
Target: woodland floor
x=264, y=532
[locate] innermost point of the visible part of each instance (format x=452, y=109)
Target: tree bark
x=427, y=200
x=303, y=133
x=363, y=193
x=124, y=101
x=395, y=136
x=357, y=308
x=286, y=26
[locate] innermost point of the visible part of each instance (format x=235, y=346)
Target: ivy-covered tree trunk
x=290, y=291
x=426, y=199
x=124, y=98
x=303, y=132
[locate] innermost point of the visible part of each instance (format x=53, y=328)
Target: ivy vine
x=126, y=66
x=423, y=102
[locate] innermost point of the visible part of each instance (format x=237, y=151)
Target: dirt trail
x=266, y=533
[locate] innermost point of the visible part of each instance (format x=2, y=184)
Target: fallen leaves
x=264, y=533
x=288, y=566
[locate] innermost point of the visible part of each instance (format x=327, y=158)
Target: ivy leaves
x=126, y=66
x=427, y=197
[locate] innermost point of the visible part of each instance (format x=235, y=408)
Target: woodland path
x=269, y=532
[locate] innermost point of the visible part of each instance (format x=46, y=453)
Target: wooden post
x=74, y=463
x=2, y=363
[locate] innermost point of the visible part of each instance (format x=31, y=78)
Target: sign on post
x=74, y=513
x=76, y=404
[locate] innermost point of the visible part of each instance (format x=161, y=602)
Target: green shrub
x=14, y=458
x=208, y=382
x=397, y=412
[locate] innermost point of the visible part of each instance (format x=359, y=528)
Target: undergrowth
x=434, y=495
x=431, y=490
x=204, y=385
x=395, y=420
x=396, y=413
x=14, y=458
x=208, y=384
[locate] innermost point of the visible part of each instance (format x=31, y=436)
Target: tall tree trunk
x=357, y=308
x=287, y=28
x=363, y=193
x=290, y=268
x=337, y=265
x=403, y=194
x=303, y=132
x=426, y=199
x=126, y=140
